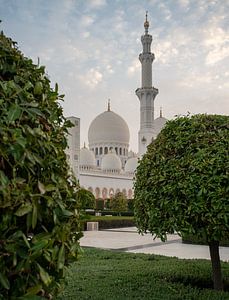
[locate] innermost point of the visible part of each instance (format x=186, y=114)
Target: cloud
x=165, y=51
x=217, y=43
x=184, y=3
x=134, y=68
x=87, y=20
x=92, y=78
x=97, y=3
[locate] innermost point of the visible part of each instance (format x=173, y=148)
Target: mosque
x=107, y=166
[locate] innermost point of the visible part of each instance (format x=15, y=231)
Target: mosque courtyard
x=128, y=240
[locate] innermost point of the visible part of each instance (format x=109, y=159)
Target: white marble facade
x=107, y=166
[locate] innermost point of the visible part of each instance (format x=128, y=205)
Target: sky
x=91, y=47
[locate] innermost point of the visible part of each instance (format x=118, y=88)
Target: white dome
x=87, y=158
x=158, y=124
x=111, y=162
x=131, y=165
x=108, y=127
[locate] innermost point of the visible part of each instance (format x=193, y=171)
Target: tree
x=119, y=203
x=39, y=216
x=86, y=198
x=182, y=183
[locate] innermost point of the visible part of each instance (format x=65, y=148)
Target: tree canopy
x=182, y=182
x=39, y=216
x=86, y=198
x=119, y=202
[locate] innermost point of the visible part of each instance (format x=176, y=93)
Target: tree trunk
x=216, y=266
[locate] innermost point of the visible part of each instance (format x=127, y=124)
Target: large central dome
x=108, y=127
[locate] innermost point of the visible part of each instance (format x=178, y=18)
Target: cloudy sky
x=91, y=47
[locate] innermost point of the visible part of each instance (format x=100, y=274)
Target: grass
x=102, y=274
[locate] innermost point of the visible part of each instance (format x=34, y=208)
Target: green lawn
x=101, y=274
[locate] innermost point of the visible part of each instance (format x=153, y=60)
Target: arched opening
x=111, y=193
x=97, y=193
x=124, y=191
x=105, y=150
x=104, y=193
x=130, y=194
x=117, y=191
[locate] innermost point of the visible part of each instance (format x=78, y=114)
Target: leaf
x=4, y=281
x=41, y=187
x=34, y=215
x=13, y=113
x=40, y=245
x=61, y=257
x=33, y=290
x=3, y=178
x=25, y=240
x=44, y=275
x=23, y=209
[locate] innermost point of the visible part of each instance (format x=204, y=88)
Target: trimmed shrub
x=99, y=204
x=39, y=216
x=111, y=222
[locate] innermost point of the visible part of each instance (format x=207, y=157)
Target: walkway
x=127, y=239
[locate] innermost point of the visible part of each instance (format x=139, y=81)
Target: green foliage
x=119, y=275
x=107, y=222
x=192, y=239
x=99, y=204
x=182, y=182
x=119, y=202
x=39, y=216
x=86, y=198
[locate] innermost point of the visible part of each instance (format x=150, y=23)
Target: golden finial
x=109, y=105
x=161, y=112
x=146, y=24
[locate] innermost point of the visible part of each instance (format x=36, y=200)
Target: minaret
x=146, y=93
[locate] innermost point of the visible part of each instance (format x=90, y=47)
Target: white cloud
x=217, y=43
x=184, y=3
x=134, y=68
x=92, y=78
x=97, y=3
x=109, y=69
x=86, y=21
x=165, y=51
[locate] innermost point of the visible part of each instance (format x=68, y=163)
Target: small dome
x=87, y=158
x=131, y=165
x=111, y=162
x=158, y=124
x=108, y=127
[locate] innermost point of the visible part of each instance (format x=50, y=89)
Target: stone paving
x=127, y=239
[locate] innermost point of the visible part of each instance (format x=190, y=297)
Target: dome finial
x=146, y=23
x=109, y=105
x=161, y=112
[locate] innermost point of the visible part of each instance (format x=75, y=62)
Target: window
x=96, y=151
x=75, y=157
x=120, y=151
x=105, y=150
x=116, y=150
x=97, y=163
x=101, y=150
